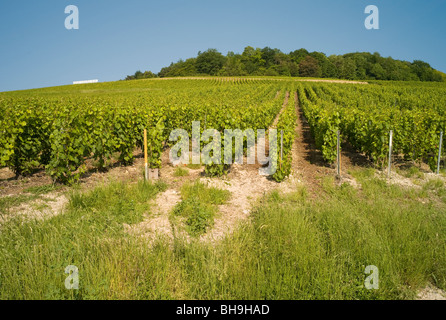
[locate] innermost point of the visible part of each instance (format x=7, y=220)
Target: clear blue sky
x=116, y=38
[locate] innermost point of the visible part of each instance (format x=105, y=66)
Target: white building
x=86, y=81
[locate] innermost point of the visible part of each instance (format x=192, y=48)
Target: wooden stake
x=338, y=150
x=281, y=148
x=439, y=152
x=146, y=164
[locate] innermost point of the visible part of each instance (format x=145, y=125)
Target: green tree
x=298, y=55
x=273, y=62
x=285, y=66
x=330, y=70
x=424, y=71
x=210, y=62
x=180, y=69
x=378, y=72
x=139, y=75
x=233, y=66
x=348, y=70
x=338, y=63
x=309, y=67
x=252, y=59
x=269, y=56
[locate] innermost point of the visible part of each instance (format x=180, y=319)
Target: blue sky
x=116, y=38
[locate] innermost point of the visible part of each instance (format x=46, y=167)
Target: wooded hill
x=298, y=63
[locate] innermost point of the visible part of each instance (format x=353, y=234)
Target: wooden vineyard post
x=338, y=154
x=439, y=152
x=281, y=148
x=390, y=153
x=146, y=165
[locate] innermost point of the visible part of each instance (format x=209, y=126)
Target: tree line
x=298, y=63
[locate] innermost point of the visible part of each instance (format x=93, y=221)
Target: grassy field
x=295, y=246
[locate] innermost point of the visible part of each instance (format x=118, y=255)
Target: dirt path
x=45, y=207
x=284, y=105
x=157, y=224
x=10, y=185
x=332, y=81
x=431, y=293
x=264, y=79
x=308, y=163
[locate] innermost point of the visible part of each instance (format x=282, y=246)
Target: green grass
x=437, y=187
x=194, y=166
x=199, y=206
x=412, y=172
x=89, y=235
x=39, y=190
x=180, y=172
x=295, y=246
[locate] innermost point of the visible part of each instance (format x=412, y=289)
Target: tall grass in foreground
x=295, y=247
x=198, y=207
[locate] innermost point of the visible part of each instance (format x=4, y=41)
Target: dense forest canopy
x=298, y=63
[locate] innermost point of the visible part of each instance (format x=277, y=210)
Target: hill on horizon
x=298, y=63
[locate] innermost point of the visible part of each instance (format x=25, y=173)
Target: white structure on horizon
x=86, y=81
